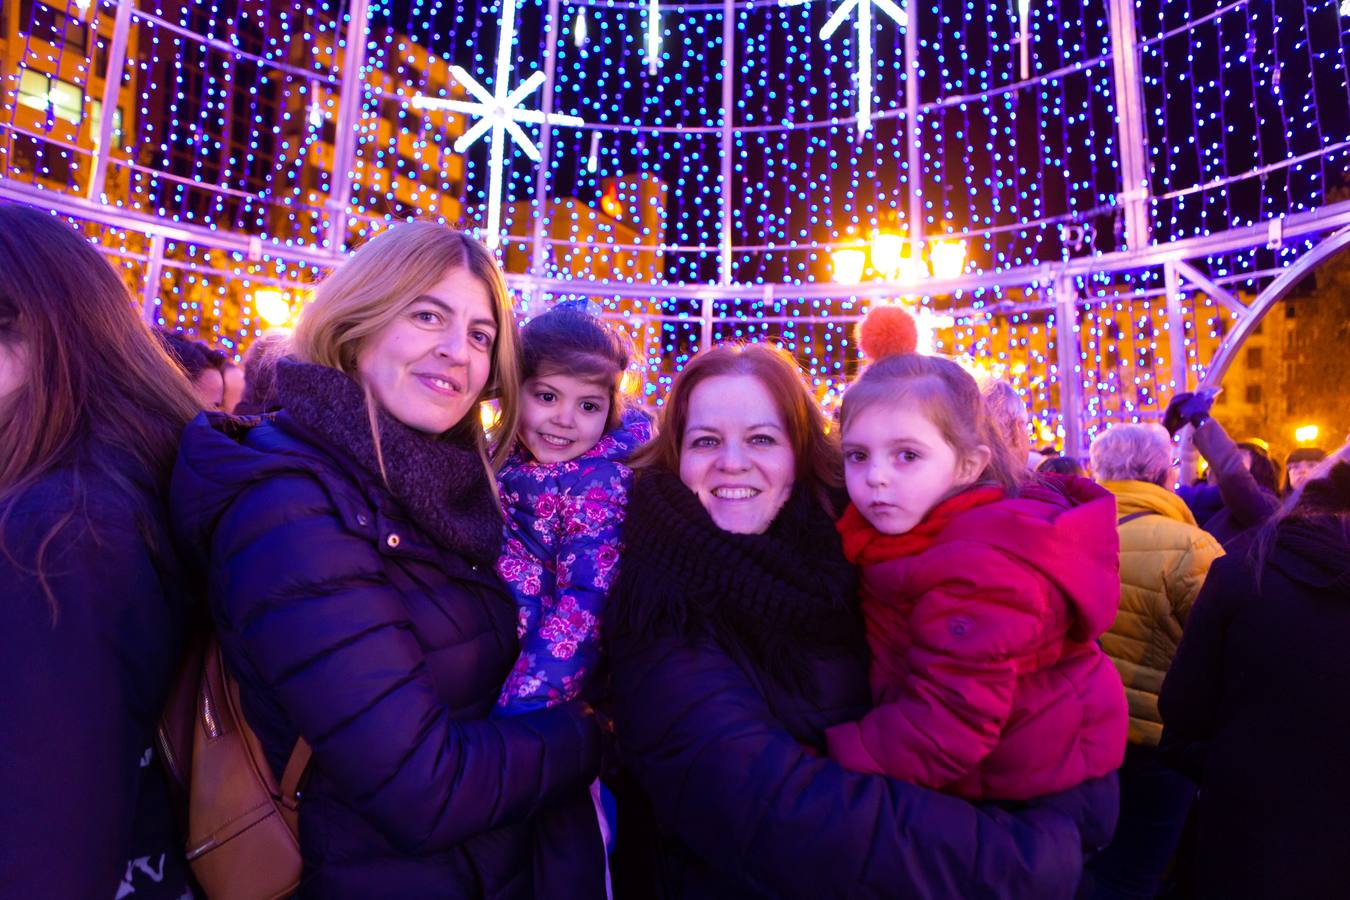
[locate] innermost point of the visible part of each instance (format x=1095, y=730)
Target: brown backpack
x=242, y=827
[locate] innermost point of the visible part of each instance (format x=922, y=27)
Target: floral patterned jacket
x=559, y=559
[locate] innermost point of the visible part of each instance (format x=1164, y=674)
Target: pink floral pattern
x=559, y=559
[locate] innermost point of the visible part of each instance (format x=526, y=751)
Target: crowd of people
x=575, y=650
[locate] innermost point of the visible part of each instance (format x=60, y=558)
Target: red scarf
x=864, y=545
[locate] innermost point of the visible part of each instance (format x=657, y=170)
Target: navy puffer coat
x=362, y=613
x=730, y=656
x=1258, y=691
x=84, y=677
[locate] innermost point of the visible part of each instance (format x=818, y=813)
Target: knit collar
x=439, y=479
x=864, y=545
x=1144, y=496
x=760, y=594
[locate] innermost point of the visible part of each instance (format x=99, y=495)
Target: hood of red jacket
x=1064, y=527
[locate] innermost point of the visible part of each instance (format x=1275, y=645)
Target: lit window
x=39, y=91
x=67, y=101
x=33, y=89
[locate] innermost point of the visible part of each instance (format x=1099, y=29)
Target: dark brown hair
x=573, y=342
x=949, y=397
x=1323, y=501
x=100, y=390
x=817, y=460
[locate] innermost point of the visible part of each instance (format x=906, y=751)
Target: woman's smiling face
x=429, y=366
x=735, y=453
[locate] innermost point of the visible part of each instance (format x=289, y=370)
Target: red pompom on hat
x=886, y=331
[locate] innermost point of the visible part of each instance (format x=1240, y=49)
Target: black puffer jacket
x=1259, y=685
x=84, y=811
x=730, y=656
x=367, y=618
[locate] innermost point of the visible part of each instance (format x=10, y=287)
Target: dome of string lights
x=1095, y=200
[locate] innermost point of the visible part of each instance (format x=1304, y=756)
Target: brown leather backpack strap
x=296, y=767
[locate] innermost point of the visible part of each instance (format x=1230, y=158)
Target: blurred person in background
x=1164, y=557
x=92, y=614
x=1257, y=692
x=203, y=366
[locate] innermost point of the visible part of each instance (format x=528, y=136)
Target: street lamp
x=948, y=258
x=1306, y=434
x=849, y=263
x=272, y=306
x=888, y=253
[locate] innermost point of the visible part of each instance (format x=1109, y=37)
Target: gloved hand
x=1186, y=409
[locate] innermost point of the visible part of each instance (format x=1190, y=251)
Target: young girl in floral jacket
x=564, y=488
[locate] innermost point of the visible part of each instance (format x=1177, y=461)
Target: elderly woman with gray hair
x=1164, y=557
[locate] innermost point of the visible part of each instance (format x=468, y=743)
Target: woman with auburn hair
x=348, y=545
x=91, y=609
x=735, y=640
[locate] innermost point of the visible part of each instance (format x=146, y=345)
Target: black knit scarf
x=772, y=597
x=439, y=479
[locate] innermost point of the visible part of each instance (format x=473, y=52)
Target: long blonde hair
x=368, y=292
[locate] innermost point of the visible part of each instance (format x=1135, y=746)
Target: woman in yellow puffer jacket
x=1164, y=557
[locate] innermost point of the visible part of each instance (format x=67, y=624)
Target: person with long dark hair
x=204, y=367
x=348, y=545
x=91, y=610
x=1257, y=694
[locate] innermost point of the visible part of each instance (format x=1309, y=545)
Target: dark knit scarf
x=774, y=597
x=438, y=479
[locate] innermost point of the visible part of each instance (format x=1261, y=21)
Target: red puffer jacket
x=982, y=622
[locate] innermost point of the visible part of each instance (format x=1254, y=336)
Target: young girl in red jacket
x=984, y=591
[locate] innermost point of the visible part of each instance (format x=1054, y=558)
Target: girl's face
x=1301, y=471
x=562, y=416
x=429, y=366
x=898, y=466
x=13, y=361
x=210, y=385
x=234, y=387
x=735, y=453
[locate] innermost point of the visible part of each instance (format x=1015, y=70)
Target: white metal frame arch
x=1272, y=294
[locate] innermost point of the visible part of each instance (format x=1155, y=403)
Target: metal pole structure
x=349, y=109
x=112, y=89
x=1176, y=344
x=913, y=137
x=1130, y=124
x=728, y=101
x=154, y=267
x=1067, y=360
x=724, y=263
x=1176, y=329
x=542, y=207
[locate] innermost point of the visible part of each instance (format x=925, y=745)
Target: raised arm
x=1244, y=499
